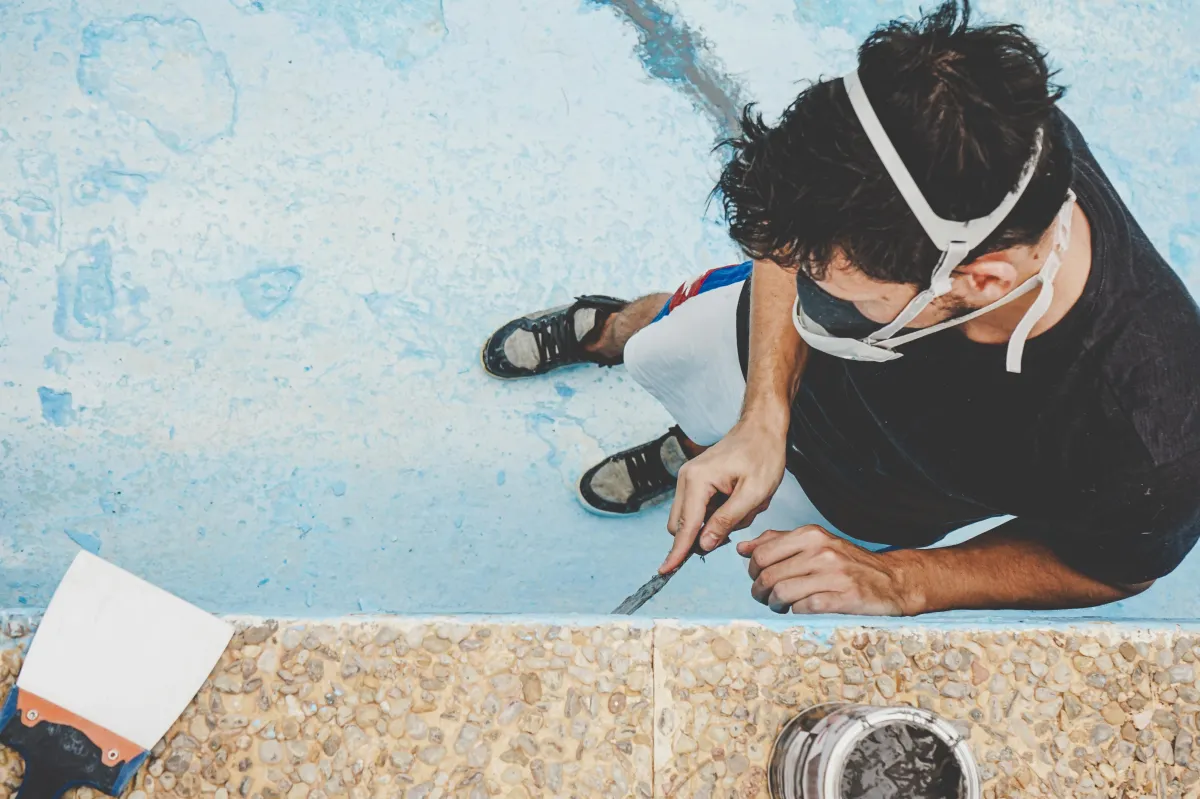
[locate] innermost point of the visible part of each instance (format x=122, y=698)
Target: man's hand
x=747, y=466
x=810, y=570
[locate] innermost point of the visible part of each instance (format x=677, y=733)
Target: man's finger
x=828, y=602
x=788, y=569
x=681, y=487
x=780, y=548
x=788, y=593
x=695, y=501
x=810, y=537
x=746, y=548
x=726, y=517
x=677, y=555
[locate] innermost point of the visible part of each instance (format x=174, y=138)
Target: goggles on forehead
x=836, y=327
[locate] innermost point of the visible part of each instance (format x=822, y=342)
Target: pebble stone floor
x=428, y=709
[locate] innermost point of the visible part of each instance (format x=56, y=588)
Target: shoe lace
x=555, y=336
x=646, y=470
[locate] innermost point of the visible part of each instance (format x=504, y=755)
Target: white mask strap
x=942, y=231
x=1049, y=270
x=1019, y=291
x=952, y=256
x=1062, y=239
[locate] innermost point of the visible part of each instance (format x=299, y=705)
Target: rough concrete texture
x=417, y=710
x=431, y=709
x=1070, y=713
x=249, y=250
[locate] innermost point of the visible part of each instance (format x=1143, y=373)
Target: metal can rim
x=834, y=736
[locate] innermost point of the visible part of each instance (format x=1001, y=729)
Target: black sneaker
x=546, y=340
x=635, y=479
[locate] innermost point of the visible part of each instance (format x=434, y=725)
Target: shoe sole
x=610, y=514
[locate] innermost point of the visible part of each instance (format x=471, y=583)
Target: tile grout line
x=654, y=709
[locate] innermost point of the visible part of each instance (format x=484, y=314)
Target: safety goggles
x=837, y=328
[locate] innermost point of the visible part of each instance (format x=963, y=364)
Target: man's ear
x=985, y=280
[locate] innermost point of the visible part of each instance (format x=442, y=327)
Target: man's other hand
x=810, y=570
x=747, y=466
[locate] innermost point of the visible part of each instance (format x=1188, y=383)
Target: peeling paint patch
x=56, y=406
x=90, y=305
x=108, y=181
x=39, y=167
x=30, y=219
x=89, y=541
x=265, y=291
x=57, y=361
x=163, y=72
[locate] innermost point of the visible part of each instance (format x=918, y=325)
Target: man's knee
x=646, y=353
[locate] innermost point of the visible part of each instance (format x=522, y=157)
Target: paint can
x=817, y=752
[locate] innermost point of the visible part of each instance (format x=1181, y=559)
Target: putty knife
x=113, y=664
x=658, y=582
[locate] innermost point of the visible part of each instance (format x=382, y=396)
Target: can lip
x=867, y=718
x=788, y=753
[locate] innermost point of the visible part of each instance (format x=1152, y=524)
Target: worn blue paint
x=29, y=218
x=56, y=406
x=399, y=32
x=88, y=541
x=90, y=304
x=58, y=361
x=671, y=51
x=39, y=167
x=266, y=238
x=265, y=291
x=108, y=181
x=189, y=99
x=855, y=19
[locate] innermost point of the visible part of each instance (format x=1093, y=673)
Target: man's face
x=882, y=302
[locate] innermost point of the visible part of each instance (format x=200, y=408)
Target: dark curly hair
x=961, y=104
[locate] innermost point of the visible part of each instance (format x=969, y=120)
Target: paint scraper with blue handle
x=113, y=664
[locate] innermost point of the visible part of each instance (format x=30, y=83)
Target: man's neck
x=998, y=326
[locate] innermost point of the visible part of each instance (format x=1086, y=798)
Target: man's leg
x=619, y=327
x=682, y=349
x=592, y=329
x=598, y=329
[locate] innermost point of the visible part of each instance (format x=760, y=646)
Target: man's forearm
x=777, y=353
x=996, y=571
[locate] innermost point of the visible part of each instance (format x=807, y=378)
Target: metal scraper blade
x=659, y=581
x=643, y=594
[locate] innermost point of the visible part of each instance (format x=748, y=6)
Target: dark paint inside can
x=841, y=750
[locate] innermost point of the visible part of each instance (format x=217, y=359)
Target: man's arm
x=810, y=570
x=777, y=353
x=996, y=570
x=747, y=464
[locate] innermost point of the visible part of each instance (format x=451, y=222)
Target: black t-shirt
x=1094, y=447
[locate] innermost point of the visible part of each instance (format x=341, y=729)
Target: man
x=949, y=316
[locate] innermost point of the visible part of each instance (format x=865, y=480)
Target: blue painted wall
x=249, y=250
